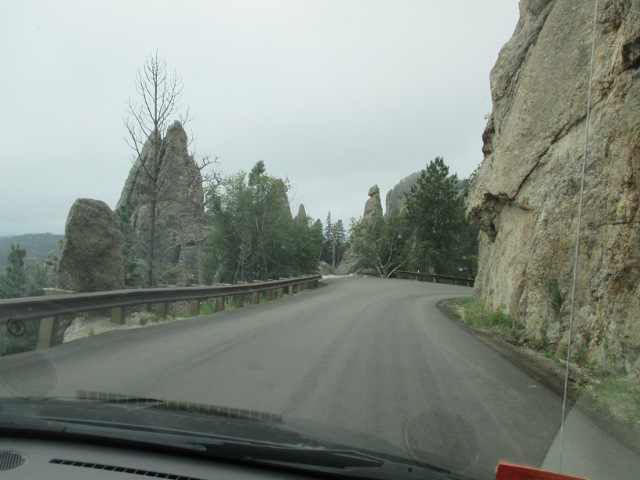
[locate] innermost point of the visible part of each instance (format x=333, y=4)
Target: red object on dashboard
x=509, y=471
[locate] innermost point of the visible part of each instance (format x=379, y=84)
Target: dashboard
x=33, y=459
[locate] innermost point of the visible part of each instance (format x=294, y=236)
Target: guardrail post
x=162, y=309
x=290, y=290
x=219, y=304
x=48, y=324
x=44, y=333
x=239, y=300
x=117, y=315
x=255, y=298
x=194, y=308
x=269, y=295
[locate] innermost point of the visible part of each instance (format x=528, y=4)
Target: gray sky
x=336, y=95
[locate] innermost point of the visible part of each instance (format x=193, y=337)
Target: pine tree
x=13, y=283
x=436, y=212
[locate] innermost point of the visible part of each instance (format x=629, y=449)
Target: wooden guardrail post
x=194, y=308
x=47, y=324
x=239, y=300
x=117, y=315
x=44, y=333
x=219, y=306
x=290, y=290
x=162, y=309
x=269, y=295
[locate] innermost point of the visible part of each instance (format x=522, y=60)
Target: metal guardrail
x=56, y=305
x=435, y=277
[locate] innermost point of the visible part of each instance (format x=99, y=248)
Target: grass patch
x=208, y=306
x=617, y=397
x=614, y=397
x=229, y=303
x=475, y=314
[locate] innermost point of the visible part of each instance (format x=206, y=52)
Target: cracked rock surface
x=525, y=199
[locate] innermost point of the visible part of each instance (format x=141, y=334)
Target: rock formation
x=394, y=202
x=302, y=214
x=395, y=199
x=180, y=211
x=92, y=258
x=350, y=260
x=525, y=199
x=373, y=205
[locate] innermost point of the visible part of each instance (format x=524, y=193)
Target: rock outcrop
x=302, y=214
x=525, y=199
x=350, y=260
x=373, y=205
x=180, y=209
x=92, y=259
x=394, y=201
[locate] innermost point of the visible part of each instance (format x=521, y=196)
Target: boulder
x=92, y=259
x=525, y=198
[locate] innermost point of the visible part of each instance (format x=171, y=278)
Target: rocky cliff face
x=180, y=212
x=525, y=199
x=394, y=201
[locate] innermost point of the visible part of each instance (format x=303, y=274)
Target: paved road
x=368, y=354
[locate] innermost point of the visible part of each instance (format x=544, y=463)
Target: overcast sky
x=335, y=95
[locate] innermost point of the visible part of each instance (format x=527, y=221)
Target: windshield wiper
x=178, y=406
x=232, y=438
x=343, y=462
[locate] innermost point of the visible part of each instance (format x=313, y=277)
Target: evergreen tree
x=435, y=210
x=335, y=239
x=13, y=283
x=254, y=235
x=338, y=241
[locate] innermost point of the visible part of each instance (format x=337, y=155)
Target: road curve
x=367, y=354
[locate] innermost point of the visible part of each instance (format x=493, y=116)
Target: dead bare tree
x=159, y=95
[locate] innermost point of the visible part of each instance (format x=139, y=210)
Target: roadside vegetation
x=430, y=234
x=615, y=397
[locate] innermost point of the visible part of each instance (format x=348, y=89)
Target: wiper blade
x=342, y=462
x=177, y=406
x=57, y=427
x=232, y=440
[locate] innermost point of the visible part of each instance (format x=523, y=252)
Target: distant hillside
x=37, y=245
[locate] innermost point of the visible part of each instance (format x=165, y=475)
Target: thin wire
x=577, y=248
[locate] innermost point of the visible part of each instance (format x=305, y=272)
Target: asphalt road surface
x=366, y=354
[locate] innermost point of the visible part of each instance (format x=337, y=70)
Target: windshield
x=388, y=233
